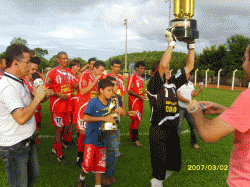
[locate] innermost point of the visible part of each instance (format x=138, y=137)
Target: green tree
x=53, y=61
x=41, y=52
x=18, y=41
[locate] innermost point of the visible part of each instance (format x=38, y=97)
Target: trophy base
x=185, y=29
x=109, y=126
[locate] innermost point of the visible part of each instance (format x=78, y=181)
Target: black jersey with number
x=163, y=97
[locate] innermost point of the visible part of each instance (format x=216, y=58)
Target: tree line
x=227, y=57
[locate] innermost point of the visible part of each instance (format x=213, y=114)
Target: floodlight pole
x=233, y=79
x=195, y=76
x=126, y=23
x=206, y=77
x=218, y=83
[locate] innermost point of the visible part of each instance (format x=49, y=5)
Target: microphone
x=201, y=84
x=37, y=79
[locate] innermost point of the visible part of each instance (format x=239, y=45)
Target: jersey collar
x=13, y=77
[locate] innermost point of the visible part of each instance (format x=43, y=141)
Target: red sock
x=37, y=140
x=58, y=149
x=65, y=137
x=80, y=145
x=70, y=135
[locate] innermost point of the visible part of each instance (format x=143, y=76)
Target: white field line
x=123, y=134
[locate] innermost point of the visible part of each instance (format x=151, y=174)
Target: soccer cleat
x=81, y=183
x=61, y=159
x=105, y=180
x=53, y=151
x=113, y=180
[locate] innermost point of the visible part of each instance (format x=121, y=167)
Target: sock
x=58, y=148
x=70, y=135
x=134, y=135
x=130, y=130
x=98, y=186
x=168, y=173
x=82, y=178
x=79, y=156
x=80, y=145
x=156, y=183
x=65, y=137
x=37, y=140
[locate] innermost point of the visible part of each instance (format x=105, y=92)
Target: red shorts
x=94, y=159
x=60, y=119
x=136, y=105
x=73, y=115
x=80, y=123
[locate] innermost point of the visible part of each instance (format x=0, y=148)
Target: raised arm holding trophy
x=165, y=150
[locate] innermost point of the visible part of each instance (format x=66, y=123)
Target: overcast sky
x=87, y=28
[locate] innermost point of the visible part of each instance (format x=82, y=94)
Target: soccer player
x=61, y=80
x=75, y=66
x=90, y=64
x=233, y=119
x=96, y=140
x=165, y=151
x=113, y=138
x=28, y=80
x=88, y=85
x=135, y=89
x=2, y=66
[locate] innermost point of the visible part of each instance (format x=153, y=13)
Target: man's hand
x=62, y=96
x=191, y=105
x=132, y=113
x=170, y=36
x=109, y=118
x=97, y=77
x=119, y=110
x=143, y=97
x=40, y=93
x=211, y=108
x=201, y=87
x=49, y=93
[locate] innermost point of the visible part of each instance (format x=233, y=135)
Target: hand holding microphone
x=201, y=86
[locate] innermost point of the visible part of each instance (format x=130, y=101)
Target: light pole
x=126, y=23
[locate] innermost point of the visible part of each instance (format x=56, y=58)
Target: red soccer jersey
x=30, y=85
x=1, y=74
x=120, y=83
x=136, y=84
x=60, y=81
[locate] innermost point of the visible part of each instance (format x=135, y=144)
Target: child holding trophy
x=114, y=138
x=96, y=140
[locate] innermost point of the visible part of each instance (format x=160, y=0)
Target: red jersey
x=1, y=74
x=136, y=84
x=30, y=85
x=60, y=81
x=120, y=83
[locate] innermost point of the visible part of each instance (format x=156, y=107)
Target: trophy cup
x=185, y=26
x=107, y=126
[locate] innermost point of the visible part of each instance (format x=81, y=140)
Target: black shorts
x=165, y=149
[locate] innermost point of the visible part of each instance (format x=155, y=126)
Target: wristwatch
x=193, y=109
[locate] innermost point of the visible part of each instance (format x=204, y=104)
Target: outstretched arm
x=191, y=57
x=246, y=65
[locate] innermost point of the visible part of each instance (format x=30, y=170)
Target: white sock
x=98, y=185
x=156, y=183
x=77, y=159
x=168, y=173
x=82, y=178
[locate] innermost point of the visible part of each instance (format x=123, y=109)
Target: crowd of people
x=88, y=99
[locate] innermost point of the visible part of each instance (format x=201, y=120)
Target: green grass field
x=134, y=169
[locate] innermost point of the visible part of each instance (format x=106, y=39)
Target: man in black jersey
x=165, y=148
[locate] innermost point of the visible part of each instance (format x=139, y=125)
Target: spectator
x=17, y=121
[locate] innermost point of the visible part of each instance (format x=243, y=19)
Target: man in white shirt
x=17, y=121
x=184, y=95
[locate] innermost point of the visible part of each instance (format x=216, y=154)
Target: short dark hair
x=99, y=63
x=61, y=53
x=15, y=52
x=115, y=61
x=32, y=53
x=73, y=63
x=140, y=63
x=110, y=78
x=1, y=59
x=91, y=59
x=104, y=83
x=35, y=60
x=155, y=65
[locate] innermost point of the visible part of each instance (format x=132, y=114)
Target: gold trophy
x=108, y=125
x=185, y=26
